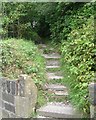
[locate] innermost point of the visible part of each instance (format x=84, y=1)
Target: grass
x=41, y=99
x=74, y=93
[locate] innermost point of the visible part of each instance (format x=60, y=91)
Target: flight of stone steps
x=55, y=108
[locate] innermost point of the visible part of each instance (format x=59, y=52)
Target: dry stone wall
x=17, y=97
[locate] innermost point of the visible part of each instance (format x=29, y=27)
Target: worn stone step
x=50, y=67
x=58, y=111
x=52, y=62
x=0, y=14
x=55, y=98
x=46, y=118
x=51, y=56
x=42, y=46
x=41, y=50
x=61, y=93
x=51, y=49
x=56, y=87
x=55, y=77
x=58, y=93
x=54, y=73
x=38, y=116
x=48, y=51
x=52, y=76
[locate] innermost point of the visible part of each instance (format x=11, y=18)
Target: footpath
x=57, y=105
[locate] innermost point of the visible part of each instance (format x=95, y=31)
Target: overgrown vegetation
x=77, y=53
x=71, y=25
x=75, y=30
x=23, y=57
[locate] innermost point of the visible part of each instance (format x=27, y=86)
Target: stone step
x=42, y=46
x=52, y=76
x=58, y=111
x=56, y=87
x=55, y=77
x=61, y=93
x=54, y=73
x=51, y=56
x=51, y=49
x=41, y=50
x=52, y=62
x=38, y=116
x=55, y=98
x=47, y=118
x=50, y=67
x=57, y=94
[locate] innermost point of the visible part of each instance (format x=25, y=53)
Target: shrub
x=77, y=53
x=21, y=57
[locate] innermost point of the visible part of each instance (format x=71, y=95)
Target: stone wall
x=17, y=97
x=92, y=96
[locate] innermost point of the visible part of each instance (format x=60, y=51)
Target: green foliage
x=72, y=25
x=18, y=20
x=21, y=57
x=78, y=52
x=21, y=16
x=69, y=16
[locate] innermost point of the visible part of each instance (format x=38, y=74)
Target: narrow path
x=57, y=105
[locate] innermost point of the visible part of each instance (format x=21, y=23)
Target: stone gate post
x=92, y=98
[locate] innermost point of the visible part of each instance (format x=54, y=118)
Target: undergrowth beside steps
x=20, y=56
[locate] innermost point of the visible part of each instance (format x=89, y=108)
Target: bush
x=21, y=57
x=69, y=16
x=77, y=53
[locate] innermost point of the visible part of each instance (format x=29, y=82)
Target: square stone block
x=10, y=108
x=23, y=107
x=5, y=114
x=8, y=97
